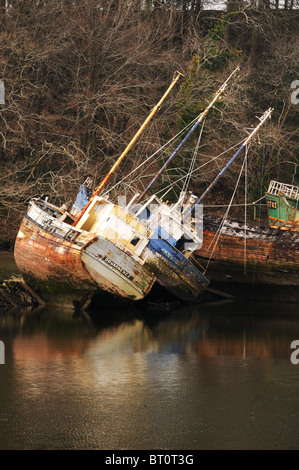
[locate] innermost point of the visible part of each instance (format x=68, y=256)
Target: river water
x=190, y=377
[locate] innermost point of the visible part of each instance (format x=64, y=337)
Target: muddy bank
x=8, y=265
x=16, y=294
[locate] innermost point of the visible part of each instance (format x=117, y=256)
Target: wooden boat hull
x=66, y=272
x=256, y=262
x=122, y=276
x=52, y=266
x=174, y=271
x=169, y=248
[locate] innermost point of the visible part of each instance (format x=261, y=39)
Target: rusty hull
x=258, y=256
x=174, y=271
x=52, y=265
x=173, y=281
x=64, y=271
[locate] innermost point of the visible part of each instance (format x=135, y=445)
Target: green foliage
x=218, y=54
x=188, y=108
x=218, y=57
x=218, y=27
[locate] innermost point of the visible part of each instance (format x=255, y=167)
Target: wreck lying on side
x=69, y=263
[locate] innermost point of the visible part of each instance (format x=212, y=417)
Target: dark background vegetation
x=82, y=75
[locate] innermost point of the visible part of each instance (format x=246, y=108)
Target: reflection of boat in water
x=233, y=329
x=236, y=329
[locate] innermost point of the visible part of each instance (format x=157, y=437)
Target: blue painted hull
x=174, y=271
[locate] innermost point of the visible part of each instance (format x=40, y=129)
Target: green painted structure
x=283, y=206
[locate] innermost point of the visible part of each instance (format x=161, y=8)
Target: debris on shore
x=14, y=292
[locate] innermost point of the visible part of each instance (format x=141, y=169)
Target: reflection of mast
x=119, y=160
x=199, y=120
x=262, y=120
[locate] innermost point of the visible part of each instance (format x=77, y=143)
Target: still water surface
x=214, y=376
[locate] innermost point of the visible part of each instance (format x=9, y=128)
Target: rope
x=237, y=205
x=159, y=150
x=151, y=156
x=218, y=232
x=170, y=186
x=260, y=210
x=204, y=164
x=188, y=178
x=245, y=217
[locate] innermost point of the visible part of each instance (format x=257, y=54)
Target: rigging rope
x=188, y=177
x=260, y=209
x=245, y=199
x=203, y=165
x=196, y=169
x=218, y=232
x=159, y=150
x=153, y=155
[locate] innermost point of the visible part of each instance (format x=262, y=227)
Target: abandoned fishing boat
x=187, y=216
x=67, y=264
x=173, y=242
x=68, y=256
x=169, y=243
x=252, y=260
x=169, y=248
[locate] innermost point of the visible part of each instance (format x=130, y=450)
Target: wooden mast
x=122, y=156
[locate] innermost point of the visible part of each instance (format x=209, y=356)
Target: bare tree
x=81, y=76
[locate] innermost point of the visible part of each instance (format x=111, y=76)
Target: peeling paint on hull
x=52, y=266
x=64, y=271
x=270, y=257
x=129, y=280
x=185, y=281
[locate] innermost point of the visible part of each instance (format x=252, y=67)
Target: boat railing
x=288, y=190
x=50, y=223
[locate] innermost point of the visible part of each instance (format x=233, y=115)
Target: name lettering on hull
x=116, y=266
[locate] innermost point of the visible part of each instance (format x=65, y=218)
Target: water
x=214, y=376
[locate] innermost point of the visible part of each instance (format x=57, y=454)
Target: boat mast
x=129, y=146
x=200, y=119
x=262, y=119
